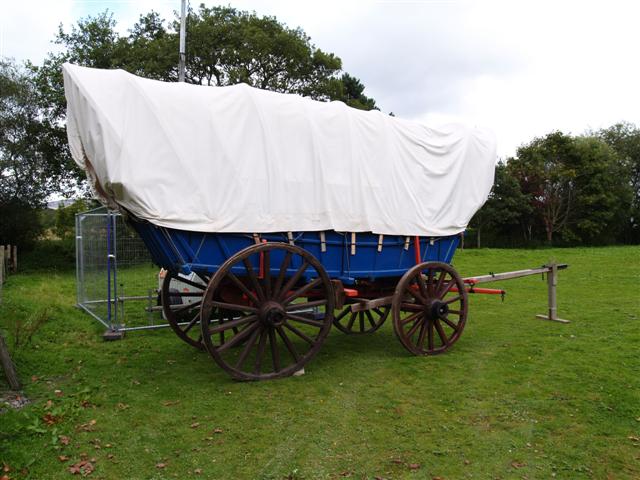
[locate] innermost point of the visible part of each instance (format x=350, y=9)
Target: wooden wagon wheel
x=182, y=307
x=429, y=308
x=291, y=313
x=357, y=323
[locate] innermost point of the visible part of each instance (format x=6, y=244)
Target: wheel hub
x=272, y=314
x=436, y=309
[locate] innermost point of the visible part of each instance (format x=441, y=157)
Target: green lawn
x=516, y=397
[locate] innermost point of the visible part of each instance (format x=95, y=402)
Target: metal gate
x=117, y=284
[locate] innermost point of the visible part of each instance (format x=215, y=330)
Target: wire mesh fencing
x=117, y=283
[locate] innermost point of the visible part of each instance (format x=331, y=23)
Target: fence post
x=14, y=259
x=1, y=266
x=552, y=282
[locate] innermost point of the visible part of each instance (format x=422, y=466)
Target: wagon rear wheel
x=181, y=299
x=365, y=321
x=429, y=308
x=282, y=303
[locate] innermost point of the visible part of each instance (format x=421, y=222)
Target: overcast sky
x=522, y=68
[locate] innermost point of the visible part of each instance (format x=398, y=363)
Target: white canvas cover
x=240, y=159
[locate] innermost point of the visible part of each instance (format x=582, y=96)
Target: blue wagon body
x=369, y=257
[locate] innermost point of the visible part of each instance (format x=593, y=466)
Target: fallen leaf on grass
x=169, y=403
x=87, y=427
x=414, y=466
x=58, y=393
x=6, y=468
x=63, y=458
x=5, y=477
x=437, y=478
x=50, y=419
x=34, y=379
x=217, y=430
x=63, y=439
x=122, y=406
x=633, y=438
x=397, y=461
x=195, y=424
x=83, y=468
x=86, y=404
x=515, y=464
x=197, y=471
x=48, y=405
x=161, y=465
x=110, y=456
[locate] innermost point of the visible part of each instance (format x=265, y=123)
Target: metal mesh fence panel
x=117, y=283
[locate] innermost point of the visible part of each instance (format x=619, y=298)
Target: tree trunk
x=7, y=366
x=478, y=238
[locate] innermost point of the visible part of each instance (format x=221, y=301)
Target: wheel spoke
x=190, y=282
x=412, y=307
x=293, y=280
x=370, y=317
x=415, y=326
x=441, y=334
x=430, y=335
x=450, y=323
x=298, y=333
x=203, y=277
x=238, y=338
x=244, y=288
x=233, y=324
x=423, y=330
x=193, y=321
x=260, y=352
x=446, y=288
x=411, y=317
x=301, y=306
x=275, y=353
x=413, y=292
x=247, y=348
x=302, y=290
x=234, y=307
x=266, y=272
x=307, y=321
x=441, y=279
x=361, y=321
x=343, y=314
x=254, y=278
x=454, y=299
x=288, y=344
x=352, y=319
x=455, y=312
x=430, y=283
x=423, y=287
x=186, y=307
x=281, y=274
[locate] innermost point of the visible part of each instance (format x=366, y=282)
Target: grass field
x=515, y=397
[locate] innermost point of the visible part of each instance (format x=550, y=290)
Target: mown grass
x=515, y=398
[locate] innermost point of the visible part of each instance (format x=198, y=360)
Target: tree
x=624, y=138
x=544, y=170
x=505, y=210
x=30, y=169
x=350, y=90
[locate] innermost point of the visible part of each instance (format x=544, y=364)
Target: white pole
x=183, y=34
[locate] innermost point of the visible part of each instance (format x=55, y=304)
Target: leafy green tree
x=545, y=171
x=350, y=90
x=505, y=211
x=624, y=138
x=30, y=169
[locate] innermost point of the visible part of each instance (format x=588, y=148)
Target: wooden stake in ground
x=7, y=366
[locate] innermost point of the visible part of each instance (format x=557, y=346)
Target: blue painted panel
x=185, y=251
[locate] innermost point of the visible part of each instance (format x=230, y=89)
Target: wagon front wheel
x=429, y=308
x=282, y=303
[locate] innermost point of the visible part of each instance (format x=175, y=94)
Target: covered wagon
x=283, y=215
